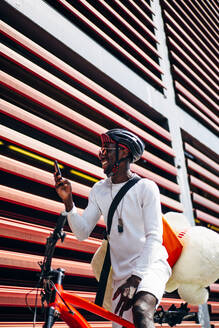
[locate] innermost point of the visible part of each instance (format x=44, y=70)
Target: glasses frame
x=108, y=149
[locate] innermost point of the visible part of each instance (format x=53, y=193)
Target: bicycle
x=62, y=304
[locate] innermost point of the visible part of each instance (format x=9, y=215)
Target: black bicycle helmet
x=126, y=138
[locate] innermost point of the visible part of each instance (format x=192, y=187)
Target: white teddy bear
x=198, y=264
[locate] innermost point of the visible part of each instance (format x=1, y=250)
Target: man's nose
x=102, y=153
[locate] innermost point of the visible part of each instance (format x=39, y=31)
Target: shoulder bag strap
x=107, y=262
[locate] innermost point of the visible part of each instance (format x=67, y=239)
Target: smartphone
x=57, y=168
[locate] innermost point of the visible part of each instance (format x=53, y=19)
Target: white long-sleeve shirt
x=140, y=244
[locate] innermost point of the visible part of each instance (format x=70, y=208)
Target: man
x=139, y=261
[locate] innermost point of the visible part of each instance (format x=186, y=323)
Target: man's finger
x=60, y=183
x=118, y=305
x=118, y=291
x=57, y=176
x=125, y=307
x=125, y=292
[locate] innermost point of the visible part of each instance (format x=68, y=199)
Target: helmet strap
x=115, y=167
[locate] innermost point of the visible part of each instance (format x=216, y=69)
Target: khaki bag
x=97, y=264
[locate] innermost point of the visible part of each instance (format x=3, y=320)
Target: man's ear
x=125, y=152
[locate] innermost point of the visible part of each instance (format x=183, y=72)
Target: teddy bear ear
x=193, y=294
x=177, y=221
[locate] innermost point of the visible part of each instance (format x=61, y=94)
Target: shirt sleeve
x=82, y=225
x=153, y=249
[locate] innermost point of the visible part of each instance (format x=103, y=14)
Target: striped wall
x=125, y=28
x=202, y=166
x=191, y=30
x=55, y=106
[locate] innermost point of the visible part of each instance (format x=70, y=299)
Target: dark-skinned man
x=139, y=261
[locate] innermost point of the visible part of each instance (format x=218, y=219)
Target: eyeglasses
x=107, y=150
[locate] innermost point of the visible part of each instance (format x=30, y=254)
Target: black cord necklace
x=120, y=225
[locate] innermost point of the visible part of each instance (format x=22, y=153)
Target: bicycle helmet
x=127, y=139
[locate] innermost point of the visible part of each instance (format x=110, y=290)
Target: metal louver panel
x=192, y=42
x=204, y=182
x=114, y=24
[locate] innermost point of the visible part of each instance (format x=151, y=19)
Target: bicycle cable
x=66, y=304
x=36, y=287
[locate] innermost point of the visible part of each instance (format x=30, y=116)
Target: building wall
x=67, y=77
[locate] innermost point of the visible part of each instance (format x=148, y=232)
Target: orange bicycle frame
x=65, y=304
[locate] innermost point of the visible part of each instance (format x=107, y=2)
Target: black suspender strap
x=107, y=262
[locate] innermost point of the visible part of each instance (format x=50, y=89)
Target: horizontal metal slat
x=66, y=136
x=22, y=261
x=195, y=76
x=214, y=307
x=99, y=324
x=47, y=127
x=138, y=21
x=142, y=12
x=196, y=102
x=194, y=109
x=192, y=29
x=134, y=46
x=201, y=156
x=36, y=202
x=204, y=186
x=161, y=181
x=171, y=203
x=55, y=131
x=200, y=170
x=212, y=10
x=200, y=24
x=205, y=202
x=214, y=288
x=39, y=324
x=15, y=296
x=147, y=6
x=208, y=21
x=191, y=51
x=48, y=102
x=134, y=31
x=44, y=177
x=214, y=324
x=93, y=324
x=50, y=152
x=112, y=43
x=10, y=293
x=33, y=233
x=192, y=63
x=74, y=74
x=22, y=198
x=190, y=40
x=207, y=218
x=199, y=91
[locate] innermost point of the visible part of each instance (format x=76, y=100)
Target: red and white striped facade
x=74, y=69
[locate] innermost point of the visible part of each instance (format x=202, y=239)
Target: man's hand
x=127, y=292
x=63, y=189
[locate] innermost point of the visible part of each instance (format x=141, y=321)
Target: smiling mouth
x=104, y=164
